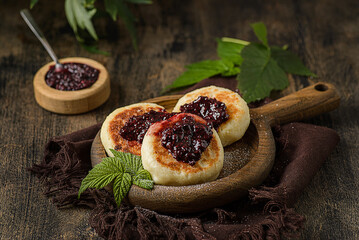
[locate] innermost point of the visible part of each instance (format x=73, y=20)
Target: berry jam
x=186, y=139
x=74, y=76
x=137, y=126
x=213, y=111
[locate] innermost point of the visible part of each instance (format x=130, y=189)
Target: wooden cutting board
x=247, y=162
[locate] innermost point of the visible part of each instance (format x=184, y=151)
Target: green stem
x=235, y=40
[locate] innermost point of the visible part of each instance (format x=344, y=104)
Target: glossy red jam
x=210, y=109
x=74, y=76
x=186, y=138
x=137, y=126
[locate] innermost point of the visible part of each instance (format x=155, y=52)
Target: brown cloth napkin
x=267, y=212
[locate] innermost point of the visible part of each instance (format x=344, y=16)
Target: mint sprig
x=124, y=169
x=259, y=68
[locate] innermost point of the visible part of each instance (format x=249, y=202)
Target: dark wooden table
x=324, y=33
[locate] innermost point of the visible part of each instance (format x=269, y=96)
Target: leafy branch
x=259, y=68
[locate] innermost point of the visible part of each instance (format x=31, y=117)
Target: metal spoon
x=26, y=15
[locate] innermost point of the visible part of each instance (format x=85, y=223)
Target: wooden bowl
x=247, y=162
x=72, y=102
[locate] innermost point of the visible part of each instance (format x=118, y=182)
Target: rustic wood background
x=324, y=33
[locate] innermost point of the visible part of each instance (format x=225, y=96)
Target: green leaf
x=260, y=31
x=259, y=68
x=111, y=8
x=143, y=174
x=289, y=62
x=140, y=1
x=199, y=71
x=119, y=8
x=102, y=174
x=235, y=40
x=121, y=186
x=123, y=169
x=218, y=65
x=129, y=20
x=32, y=3
x=131, y=162
x=78, y=15
x=89, y=3
x=83, y=18
x=231, y=69
x=144, y=183
x=230, y=51
x=70, y=15
x=231, y=72
x=260, y=74
x=92, y=12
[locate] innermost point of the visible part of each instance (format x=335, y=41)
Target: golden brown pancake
x=166, y=170
x=234, y=128
x=110, y=136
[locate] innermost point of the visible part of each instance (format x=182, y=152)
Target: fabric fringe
x=264, y=215
x=126, y=222
x=279, y=219
x=62, y=172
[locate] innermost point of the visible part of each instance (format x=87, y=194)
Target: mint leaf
x=124, y=169
x=260, y=31
x=102, y=174
x=230, y=51
x=260, y=74
x=131, y=162
x=289, y=62
x=142, y=174
x=121, y=186
x=199, y=71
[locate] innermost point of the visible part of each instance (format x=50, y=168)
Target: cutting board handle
x=306, y=103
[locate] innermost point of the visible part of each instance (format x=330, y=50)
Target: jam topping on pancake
x=185, y=138
x=210, y=109
x=137, y=126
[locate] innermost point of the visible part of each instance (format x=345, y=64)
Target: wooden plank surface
x=324, y=33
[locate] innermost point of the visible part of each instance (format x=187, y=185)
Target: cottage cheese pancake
x=233, y=126
x=182, y=150
x=110, y=131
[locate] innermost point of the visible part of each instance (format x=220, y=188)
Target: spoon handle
x=26, y=15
